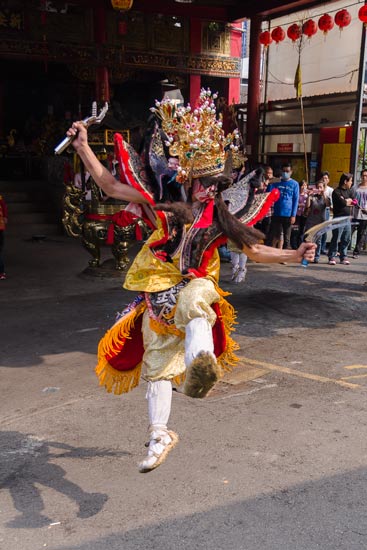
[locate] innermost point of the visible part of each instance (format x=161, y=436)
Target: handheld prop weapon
x=88, y=121
x=314, y=233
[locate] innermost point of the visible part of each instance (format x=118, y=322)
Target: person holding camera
x=343, y=200
x=316, y=205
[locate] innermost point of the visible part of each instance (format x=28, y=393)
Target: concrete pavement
x=275, y=459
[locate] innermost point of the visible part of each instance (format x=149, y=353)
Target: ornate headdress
x=196, y=136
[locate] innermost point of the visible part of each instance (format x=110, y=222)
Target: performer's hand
x=306, y=251
x=293, y=220
x=79, y=132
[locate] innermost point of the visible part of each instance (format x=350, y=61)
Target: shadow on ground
x=318, y=515
x=26, y=462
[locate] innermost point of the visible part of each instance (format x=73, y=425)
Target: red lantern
x=278, y=34
x=265, y=38
x=326, y=23
x=122, y=5
x=343, y=19
x=362, y=14
x=309, y=28
x=294, y=32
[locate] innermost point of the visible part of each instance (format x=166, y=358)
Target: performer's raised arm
x=103, y=178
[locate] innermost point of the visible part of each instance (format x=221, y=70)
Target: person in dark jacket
x=342, y=198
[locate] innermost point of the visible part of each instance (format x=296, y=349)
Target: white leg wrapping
x=240, y=275
x=235, y=257
x=198, y=337
x=242, y=261
x=161, y=440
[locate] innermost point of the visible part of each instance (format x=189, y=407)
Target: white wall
x=329, y=64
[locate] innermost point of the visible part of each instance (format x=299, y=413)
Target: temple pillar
x=2, y=129
x=253, y=101
x=102, y=73
x=234, y=84
x=195, y=48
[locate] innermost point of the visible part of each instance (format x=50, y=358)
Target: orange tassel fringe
x=117, y=381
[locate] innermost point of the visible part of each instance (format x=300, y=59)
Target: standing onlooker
x=298, y=228
x=342, y=205
x=264, y=224
x=3, y=222
x=325, y=177
x=316, y=204
x=360, y=213
x=285, y=208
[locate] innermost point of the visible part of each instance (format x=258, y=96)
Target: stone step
x=22, y=185
x=26, y=207
x=31, y=217
x=16, y=196
x=34, y=231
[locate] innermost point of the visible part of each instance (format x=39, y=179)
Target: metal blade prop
x=88, y=121
x=314, y=233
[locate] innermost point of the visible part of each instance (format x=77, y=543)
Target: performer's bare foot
x=161, y=442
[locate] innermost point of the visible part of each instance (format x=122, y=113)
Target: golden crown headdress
x=196, y=136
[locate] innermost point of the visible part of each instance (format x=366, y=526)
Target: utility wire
x=278, y=81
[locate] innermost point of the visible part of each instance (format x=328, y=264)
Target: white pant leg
x=198, y=337
x=159, y=396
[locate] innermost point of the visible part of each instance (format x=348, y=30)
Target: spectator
x=325, y=177
x=342, y=199
x=298, y=228
x=285, y=208
x=264, y=224
x=360, y=213
x=3, y=222
x=316, y=204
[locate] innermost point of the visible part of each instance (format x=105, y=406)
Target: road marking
x=294, y=372
x=354, y=367
x=249, y=392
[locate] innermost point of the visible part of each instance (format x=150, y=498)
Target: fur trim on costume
x=201, y=375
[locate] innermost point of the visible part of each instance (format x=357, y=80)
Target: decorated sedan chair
x=183, y=246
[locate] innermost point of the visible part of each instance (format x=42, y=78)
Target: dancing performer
x=178, y=328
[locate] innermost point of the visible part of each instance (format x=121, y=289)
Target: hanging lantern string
x=320, y=14
x=279, y=81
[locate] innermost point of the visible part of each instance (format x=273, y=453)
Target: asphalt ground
x=275, y=458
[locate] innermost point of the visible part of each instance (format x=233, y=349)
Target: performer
x=178, y=327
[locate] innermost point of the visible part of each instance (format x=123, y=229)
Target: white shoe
x=241, y=276
x=161, y=442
